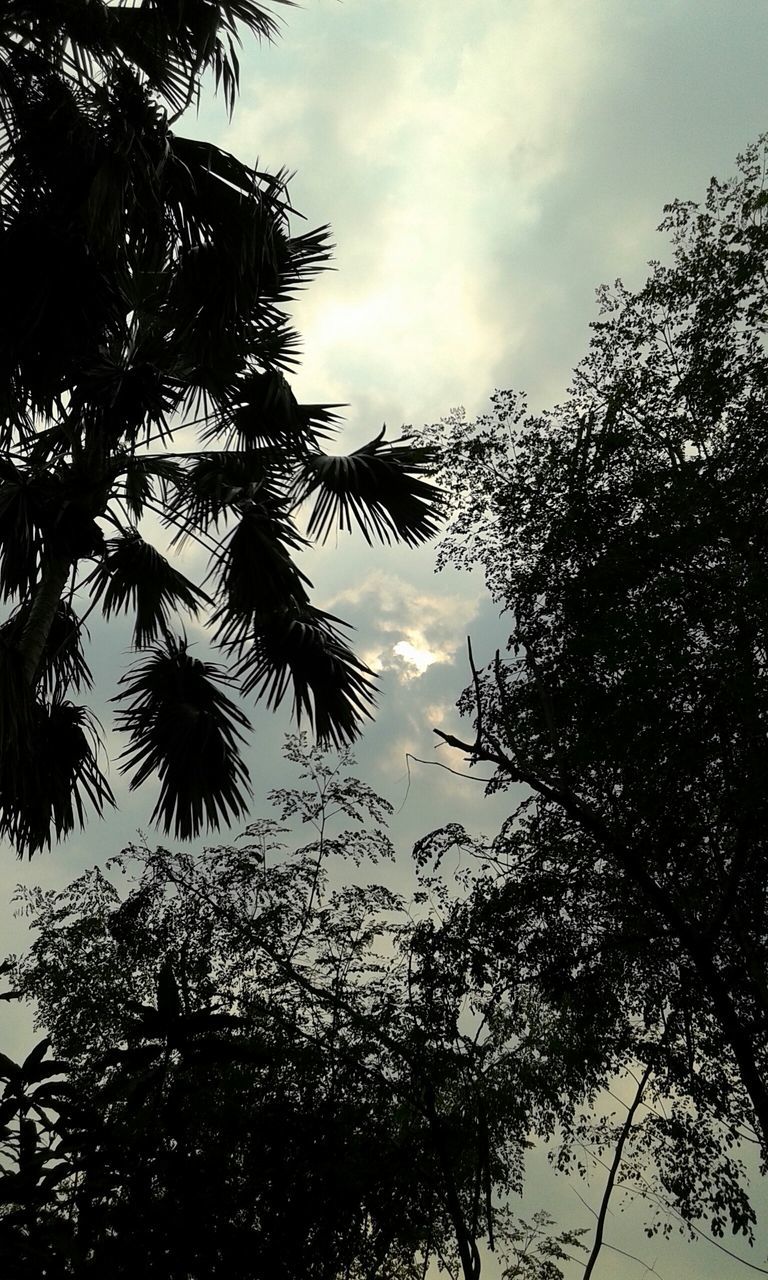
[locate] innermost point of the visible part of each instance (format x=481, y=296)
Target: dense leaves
x=146, y=284
x=184, y=732
x=624, y=534
x=267, y=1076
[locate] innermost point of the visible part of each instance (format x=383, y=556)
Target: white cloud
x=407, y=629
x=417, y=660
x=430, y=141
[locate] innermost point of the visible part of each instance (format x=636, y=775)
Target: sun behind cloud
x=417, y=658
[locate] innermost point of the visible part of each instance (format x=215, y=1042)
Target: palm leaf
x=22, y=498
x=255, y=569
x=378, y=487
x=184, y=731
x=192, y=38
x=301, y=648
x=134, y=575
x=263, y=410
x=62, y=664
x=142, y=37
x=51, y=777
x=16, y=702
x=130, y=397
x=139, y=474
x=213, y=485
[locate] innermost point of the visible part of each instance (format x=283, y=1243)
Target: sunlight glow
x=418, y=658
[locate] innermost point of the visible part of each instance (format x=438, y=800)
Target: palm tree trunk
x=44, y=605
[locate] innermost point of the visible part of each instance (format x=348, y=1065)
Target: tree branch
x=614, y=1169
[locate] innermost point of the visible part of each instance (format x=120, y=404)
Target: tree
x=267, y=1076
x=624, y=534
x=146, y=277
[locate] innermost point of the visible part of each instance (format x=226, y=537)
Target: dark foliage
x=146, y=281
x=624, y=534
x=266, y=1076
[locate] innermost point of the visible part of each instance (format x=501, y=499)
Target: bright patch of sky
x=418, y=660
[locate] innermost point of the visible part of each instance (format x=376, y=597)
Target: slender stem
x=468, y=1253
x=614, y=1169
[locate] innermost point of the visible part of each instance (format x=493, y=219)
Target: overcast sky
x=484, y=166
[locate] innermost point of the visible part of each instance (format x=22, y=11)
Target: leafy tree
x=271, y=1076
x=624, y=534
x=146, y=278
x=33, y=1165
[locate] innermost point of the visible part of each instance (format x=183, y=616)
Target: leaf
x=134, y=575
x=262, y=411
x=21, y=532
x=184, y=731
x=53, y=773
x=34, y=1058
x=45, y=1071
x=62, y=665
x=9, y=1109
x=301, y=648
x=9, y=1070
x=255, y=570
x=378, y=487
x=212, y=485
x=139, y=473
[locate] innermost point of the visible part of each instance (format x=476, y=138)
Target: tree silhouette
x=624, y=534
x=267, y=1074
x=146, y=278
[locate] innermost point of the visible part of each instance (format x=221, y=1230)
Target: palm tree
x=146, y=277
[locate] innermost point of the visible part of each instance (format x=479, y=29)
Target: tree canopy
x=146, y=283
x=265, y=1073
x=624, y=535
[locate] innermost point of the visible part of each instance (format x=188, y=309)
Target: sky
x=484, y=167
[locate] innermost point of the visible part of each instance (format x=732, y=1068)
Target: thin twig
x=478, y=698
x=614, y=1169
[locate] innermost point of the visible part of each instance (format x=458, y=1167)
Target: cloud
x=430, y=142
x=406, y=629
x=417, y=660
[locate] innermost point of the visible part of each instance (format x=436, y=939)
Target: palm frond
x=262, y=410
x=139, y=475
x=308, y=254
x=378, y=487
x=223, y=59
x=134, y=575
x=185, y=732
x=301, y=648
x=211, y=486
x=174, y=45
x=52, y=777
x=255, y=568
x=16, y=700
x=22, y=498
x=62, y=664
x=142, y=36
x=130, y=399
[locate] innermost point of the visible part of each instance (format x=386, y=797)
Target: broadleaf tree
x=146, y=280
x=624, y=535
x=267, y=1074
